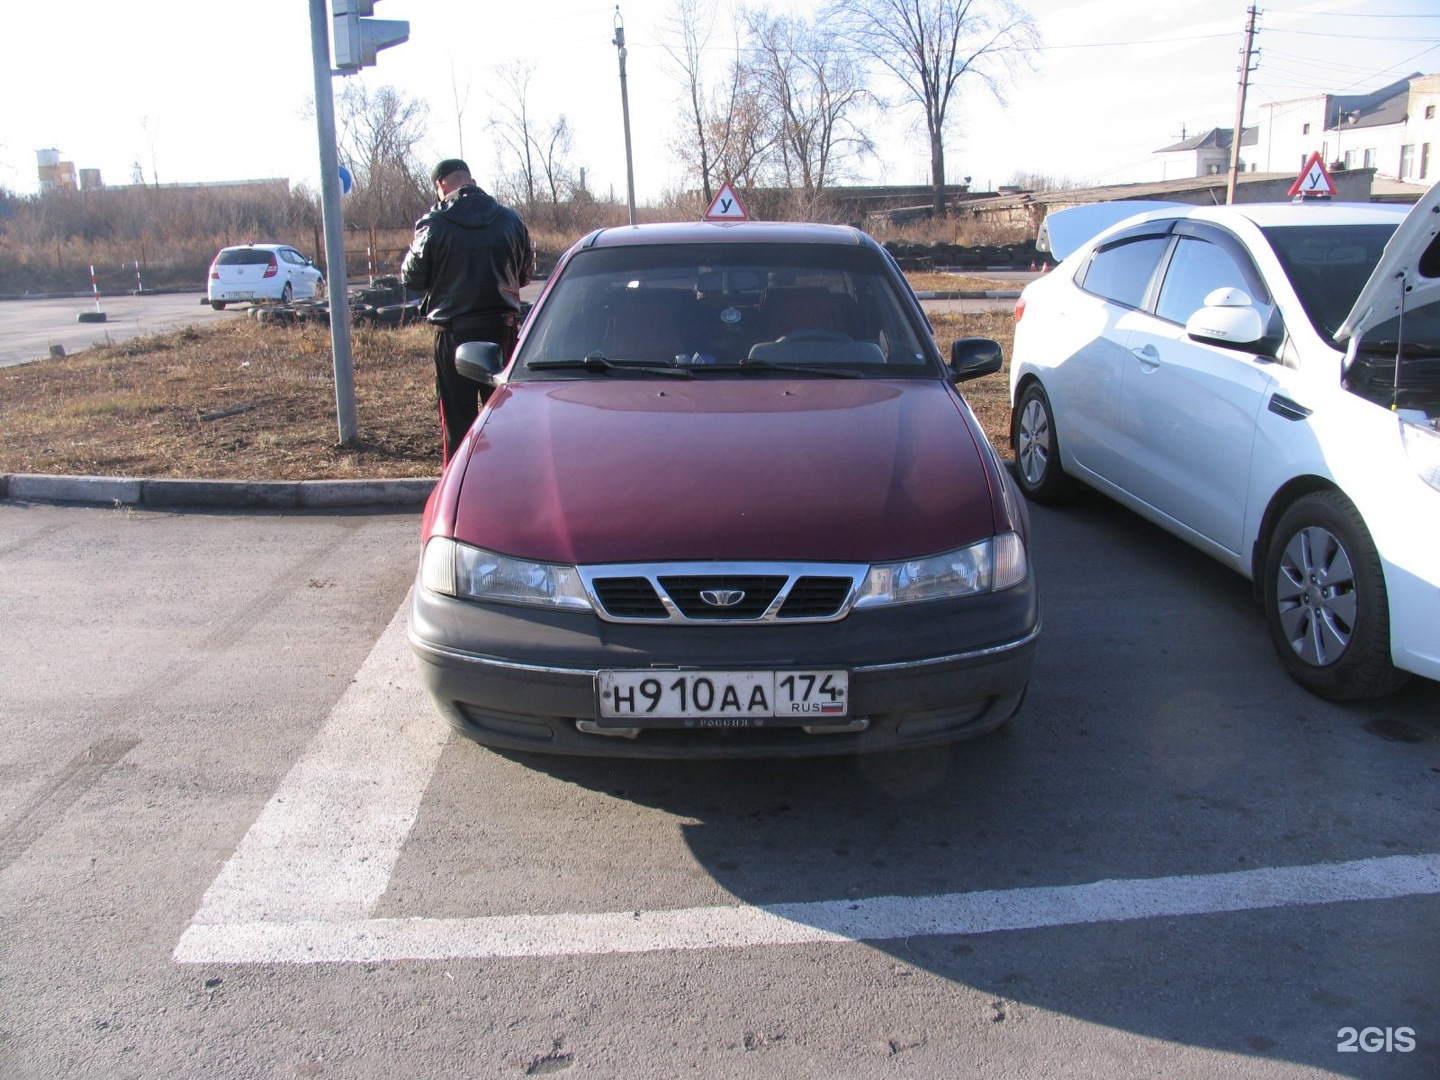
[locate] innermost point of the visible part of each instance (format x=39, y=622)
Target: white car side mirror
x=1228, y=318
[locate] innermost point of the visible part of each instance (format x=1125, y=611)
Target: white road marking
x=301, y=887
x=323, y=847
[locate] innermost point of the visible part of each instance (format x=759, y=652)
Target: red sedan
x=726, y=500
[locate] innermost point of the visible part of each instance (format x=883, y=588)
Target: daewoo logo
x=722, y=597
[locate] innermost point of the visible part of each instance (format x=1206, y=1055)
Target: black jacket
x=470, y=255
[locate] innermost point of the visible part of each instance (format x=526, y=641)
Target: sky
x=196, y=90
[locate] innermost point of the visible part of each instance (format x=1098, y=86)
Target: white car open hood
x=1413, y=257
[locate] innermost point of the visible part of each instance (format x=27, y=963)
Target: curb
x=217, y=494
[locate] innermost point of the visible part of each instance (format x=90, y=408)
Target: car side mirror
x=479, y=361
x=974, y=357
x=1228, y=319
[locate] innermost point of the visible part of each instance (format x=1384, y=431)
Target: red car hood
x=605, y=471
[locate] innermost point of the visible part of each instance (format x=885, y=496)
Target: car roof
x=724, y=232
x=1277, y=215
x=1066, y=231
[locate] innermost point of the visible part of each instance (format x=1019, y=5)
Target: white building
x=1207, y=154
x=1394, y=130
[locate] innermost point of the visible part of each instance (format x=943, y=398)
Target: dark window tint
x=1328, y=265
x=1196, y=270
x=242, y=257
x=1121, y=272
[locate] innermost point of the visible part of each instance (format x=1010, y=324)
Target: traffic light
x=357, y=40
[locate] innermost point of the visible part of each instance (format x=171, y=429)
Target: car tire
x=1037, y=447
x=218, y=305
x=1325, y=601
x=287, y=294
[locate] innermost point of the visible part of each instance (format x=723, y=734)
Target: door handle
x=1148, y=355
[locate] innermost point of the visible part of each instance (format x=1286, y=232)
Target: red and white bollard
x=97, y=315
x=370, y=264
x=139, y=285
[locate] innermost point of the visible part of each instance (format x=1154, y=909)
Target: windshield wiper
x=599, y=363
x=756, y=366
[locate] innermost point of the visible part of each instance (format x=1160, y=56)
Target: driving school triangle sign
x=1313, y=179
x=726, y=206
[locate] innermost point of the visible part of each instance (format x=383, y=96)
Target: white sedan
x=1263, y=381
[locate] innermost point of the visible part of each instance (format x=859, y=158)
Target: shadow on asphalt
x=1160, y=738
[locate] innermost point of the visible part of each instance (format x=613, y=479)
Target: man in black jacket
x=471, y=256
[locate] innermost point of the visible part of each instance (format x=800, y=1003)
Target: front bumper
x=922, y=674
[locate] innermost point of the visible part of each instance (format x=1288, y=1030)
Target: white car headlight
x=988, y=566
x=1422, y=447
x=471, y=573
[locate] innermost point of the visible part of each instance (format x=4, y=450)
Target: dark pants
x=460, y=398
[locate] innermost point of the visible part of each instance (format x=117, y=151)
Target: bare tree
x=461, y=101
x=538, y=171
x=745, y=135
x=686, y=35
x=930, y=45
x=378, y=137
x=813, y=88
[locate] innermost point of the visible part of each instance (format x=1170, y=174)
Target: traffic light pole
x=337, y=287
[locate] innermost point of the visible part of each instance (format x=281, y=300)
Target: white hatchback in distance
x=1263, y=381
x=262, y=272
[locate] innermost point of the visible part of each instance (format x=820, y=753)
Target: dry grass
x=236, y=399
x=988, y=397
x=926, y=282
x=239, y=399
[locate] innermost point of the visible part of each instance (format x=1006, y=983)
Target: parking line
x=325, y=844
x=304, y=881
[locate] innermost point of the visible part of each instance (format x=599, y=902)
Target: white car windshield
x=1328, y=265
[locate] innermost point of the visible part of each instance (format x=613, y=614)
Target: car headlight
x=989, y=566
x=471, y=573
x=1422, y=447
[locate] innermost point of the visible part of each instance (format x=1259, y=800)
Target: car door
x=1097, y=321
x=298, y=271
x=1188, y=409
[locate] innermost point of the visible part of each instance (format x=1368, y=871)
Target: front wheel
x=1037, y=447
x=1325, y=601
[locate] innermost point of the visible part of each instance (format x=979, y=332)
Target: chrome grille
x=723, y=593
x=630, y=598
x=816, y=597
x=702, y=596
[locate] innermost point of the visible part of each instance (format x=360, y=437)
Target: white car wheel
x=1325, y=601
x=1037, y=447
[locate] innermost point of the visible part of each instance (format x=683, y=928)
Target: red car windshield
x=726, y=307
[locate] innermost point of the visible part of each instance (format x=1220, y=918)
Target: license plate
x=724, y=698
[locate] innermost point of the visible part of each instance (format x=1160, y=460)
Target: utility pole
x=1246, y=55
x=619, y=44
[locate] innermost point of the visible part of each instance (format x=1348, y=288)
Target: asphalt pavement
x=31, y=327
x=236, y=840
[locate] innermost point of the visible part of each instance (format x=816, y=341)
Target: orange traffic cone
x=1032, y=266
x=1046, y=268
